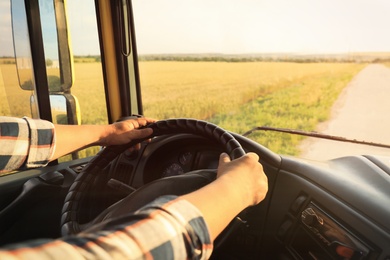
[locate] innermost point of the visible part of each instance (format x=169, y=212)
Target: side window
x=87, y=84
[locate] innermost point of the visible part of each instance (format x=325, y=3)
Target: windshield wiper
x=313, y=134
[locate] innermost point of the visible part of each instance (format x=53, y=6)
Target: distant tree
x=54, y=83
x=49, y=63
x=27, y=85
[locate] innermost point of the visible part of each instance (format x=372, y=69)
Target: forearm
x=219, y=203
x=70, y=138
x=240, y=183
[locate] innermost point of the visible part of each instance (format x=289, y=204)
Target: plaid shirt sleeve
x=25, y=142
x=168, y=228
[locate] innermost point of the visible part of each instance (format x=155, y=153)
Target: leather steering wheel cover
x=71, y=208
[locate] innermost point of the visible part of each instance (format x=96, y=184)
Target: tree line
x=295, y=59
x=227, y=58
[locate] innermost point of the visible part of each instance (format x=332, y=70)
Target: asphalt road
x=361, y=112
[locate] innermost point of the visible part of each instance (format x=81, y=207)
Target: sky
x=236, y=27
x=247, y=26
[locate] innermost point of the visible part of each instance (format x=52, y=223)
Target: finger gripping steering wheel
x=178, y=185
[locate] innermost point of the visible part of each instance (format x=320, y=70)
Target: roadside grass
x=301, y=105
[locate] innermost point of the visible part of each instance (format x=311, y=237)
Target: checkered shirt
x=25, y=143
x=168, y=228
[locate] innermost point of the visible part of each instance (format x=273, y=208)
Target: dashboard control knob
x=310, y=218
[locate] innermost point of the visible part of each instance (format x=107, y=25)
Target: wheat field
x=204, y=89
x=234, y=95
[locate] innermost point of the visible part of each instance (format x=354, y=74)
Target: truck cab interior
x=322, y=208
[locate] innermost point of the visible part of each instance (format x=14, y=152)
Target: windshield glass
x=312, y=66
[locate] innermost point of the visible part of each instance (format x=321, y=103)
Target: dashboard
x=336, y=209
x=330, y=210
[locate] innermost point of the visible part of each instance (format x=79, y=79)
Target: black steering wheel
x=178, y=185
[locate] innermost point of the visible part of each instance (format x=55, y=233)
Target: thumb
x=253, y=155
x=224, y=158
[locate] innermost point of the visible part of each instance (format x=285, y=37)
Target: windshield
x=318, y=66
x=312, y=66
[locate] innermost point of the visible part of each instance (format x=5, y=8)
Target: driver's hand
x=247, y=174
x=125, y=131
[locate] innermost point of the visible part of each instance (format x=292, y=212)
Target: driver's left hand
x=125, y=131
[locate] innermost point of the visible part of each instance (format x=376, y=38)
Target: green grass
x=300, y=105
